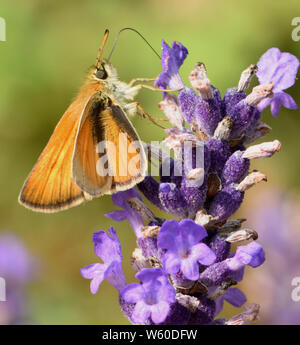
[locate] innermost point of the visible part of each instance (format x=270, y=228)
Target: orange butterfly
x=74, y=167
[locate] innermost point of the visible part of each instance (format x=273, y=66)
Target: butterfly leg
x=135, y=108
x=133, y=81
x=140, y=86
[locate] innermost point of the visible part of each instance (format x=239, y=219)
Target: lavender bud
x=235, y=169
x=245, y=113
x=172, y=200
x=219, y=153
x=231, y=98
x=177, y=138
x=219, y=246
x=242, y=116
x=226, y=202
x=171, y=171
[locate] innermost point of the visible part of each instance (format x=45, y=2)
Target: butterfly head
x=104, y=72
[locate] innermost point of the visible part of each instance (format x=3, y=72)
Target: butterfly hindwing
x=108, y=154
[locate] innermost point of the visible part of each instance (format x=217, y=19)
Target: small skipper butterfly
x=85, y=157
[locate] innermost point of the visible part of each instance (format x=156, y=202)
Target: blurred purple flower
x=276, y=216
x=18, y=268
x=16, y=264
x=108, y=248
x=152, y=298
x=184, y=251
x=281, y=69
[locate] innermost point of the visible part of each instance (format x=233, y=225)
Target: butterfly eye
x=101, y=73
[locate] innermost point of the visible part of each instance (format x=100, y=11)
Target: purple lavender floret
x=251, y=254
x=171, y=60
x=184, y=249
x=188, y=266
x=234, y=296
x=108, y=248
x=121, y=199
x=152, y=298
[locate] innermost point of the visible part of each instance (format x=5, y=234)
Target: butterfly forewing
x=49, y=187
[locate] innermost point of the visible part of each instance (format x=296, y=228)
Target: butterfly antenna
x=134, y=30
x=98, y=61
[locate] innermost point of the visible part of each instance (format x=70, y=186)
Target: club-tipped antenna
x=98, y=61
x=134, y=30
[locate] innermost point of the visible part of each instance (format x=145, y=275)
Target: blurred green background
x=50, y=46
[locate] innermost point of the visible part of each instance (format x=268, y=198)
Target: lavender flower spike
x=187, y=266
x=184, y=250
x=109, y=250
x=281, y=69
x=152, y=298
